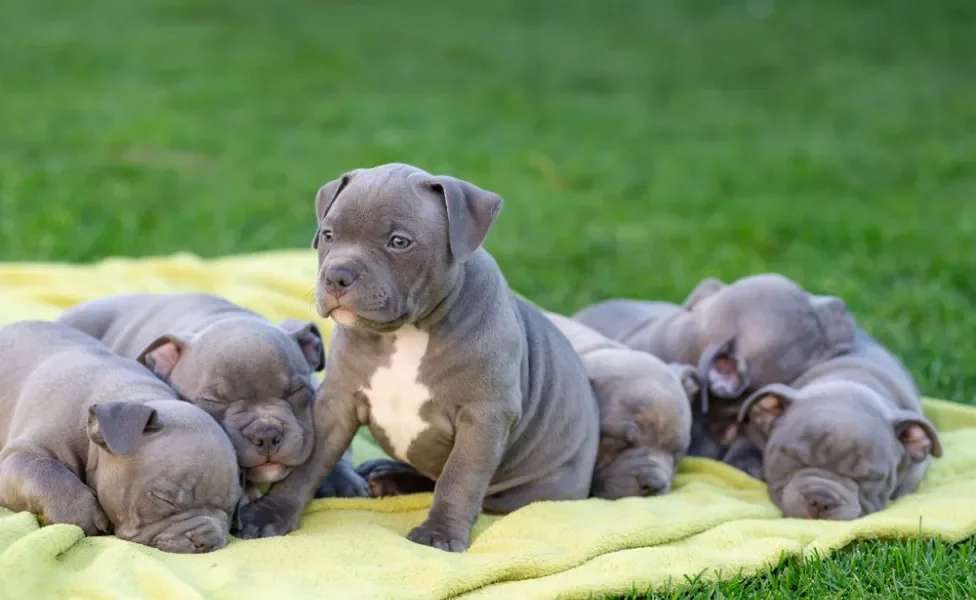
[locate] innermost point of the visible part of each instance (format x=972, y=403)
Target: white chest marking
x=395, y=395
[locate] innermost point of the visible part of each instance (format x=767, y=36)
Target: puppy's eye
x=162, y=500
x=398, y=242
x=327, y=236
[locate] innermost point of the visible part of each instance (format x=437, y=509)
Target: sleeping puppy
x=255, y=377
x=92, y=439
x=758, y=330
x=645, y=414
x=845, y=438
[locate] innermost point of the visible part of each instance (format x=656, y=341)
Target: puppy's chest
x=395, y=393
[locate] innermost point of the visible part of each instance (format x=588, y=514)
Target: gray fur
x=507, y=415
x=845, y=438
x=93, y=439
x=255, y=377
x=645, y=414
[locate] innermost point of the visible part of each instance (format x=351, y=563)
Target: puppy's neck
x=442, y=303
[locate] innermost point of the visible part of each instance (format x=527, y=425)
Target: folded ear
x=766, y=405
x=725, y=374
x=326, y=197
x=309, y=339
x=917, y=435
x=704, y=289
x=119, y=426
x=836, y=323
x=162, y=354
x=470, y=213
x=625, y=431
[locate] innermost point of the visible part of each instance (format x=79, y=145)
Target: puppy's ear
x=917, y=435
x=704, y=289
x=119, y=426
x=470, y=213
x=162, y=354
x=725, y=373
x=309, y=339
x=625, y=431
x=324, y=199
x=836, y=323
x=765, y=406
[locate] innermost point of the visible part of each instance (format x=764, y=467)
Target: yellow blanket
x=717, y=521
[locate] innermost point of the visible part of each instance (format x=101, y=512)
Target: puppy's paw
x=83, y=511
x=263, y=519
x=343, y=482
x=439, y=536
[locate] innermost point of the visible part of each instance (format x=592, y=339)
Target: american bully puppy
x=645, y=421
x=845, y=438
x=645, y=414
x=255, y=377
x=92, y=439
x=759, y=330
x=453, y=375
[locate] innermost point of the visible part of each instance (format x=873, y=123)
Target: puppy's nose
x=267, y=439
x=205, y=539
x=651, y=485
x=338, y=279
x=819, y=504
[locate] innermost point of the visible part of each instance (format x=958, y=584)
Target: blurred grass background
x=640, y=146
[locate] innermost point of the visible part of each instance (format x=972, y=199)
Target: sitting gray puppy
x=758, y=330
x=92, y=439
x=645, y=414
x=845, y=438
x=453, y=375
x=254, y=377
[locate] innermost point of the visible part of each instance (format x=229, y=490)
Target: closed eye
x=162, y=500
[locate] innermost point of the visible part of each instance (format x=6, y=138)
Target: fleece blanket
x=717, y=522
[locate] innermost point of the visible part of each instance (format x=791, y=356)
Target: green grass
x=640, y=146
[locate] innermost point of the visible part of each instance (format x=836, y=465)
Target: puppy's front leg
x=40, y=484
x=480, y=439
x=278, y=511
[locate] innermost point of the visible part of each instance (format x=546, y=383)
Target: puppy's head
x=255, y=378
x=645, y=423
x=764, y=329
x=391, y=242
x=164, y=473
x=834, y=451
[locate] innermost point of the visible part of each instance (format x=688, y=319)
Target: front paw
x=439, y=536
x=83, y=511
x=343, y=482
x=265, y=519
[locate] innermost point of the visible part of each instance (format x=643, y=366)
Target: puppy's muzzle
x=339, y=278
x=266, y=438
x=208, y=535
x=820, y=503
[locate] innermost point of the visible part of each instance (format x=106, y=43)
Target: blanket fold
x=717, y=521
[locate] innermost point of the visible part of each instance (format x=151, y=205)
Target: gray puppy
x=92, y=439
x=645, y=414
x=453, y=375
x=845, y=438
x=254, y=377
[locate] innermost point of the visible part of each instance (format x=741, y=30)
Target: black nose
x=267, y=439
x=338, y=279
x=819, y=504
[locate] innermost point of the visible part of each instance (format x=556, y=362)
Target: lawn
x=640, y=146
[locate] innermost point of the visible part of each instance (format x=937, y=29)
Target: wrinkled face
x=766, y=329
x=254, y=380
x=177, y=493
x=384, y=256
x=640, y=446
x=832, y=462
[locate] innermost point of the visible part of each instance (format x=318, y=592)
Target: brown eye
x=399, y=242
